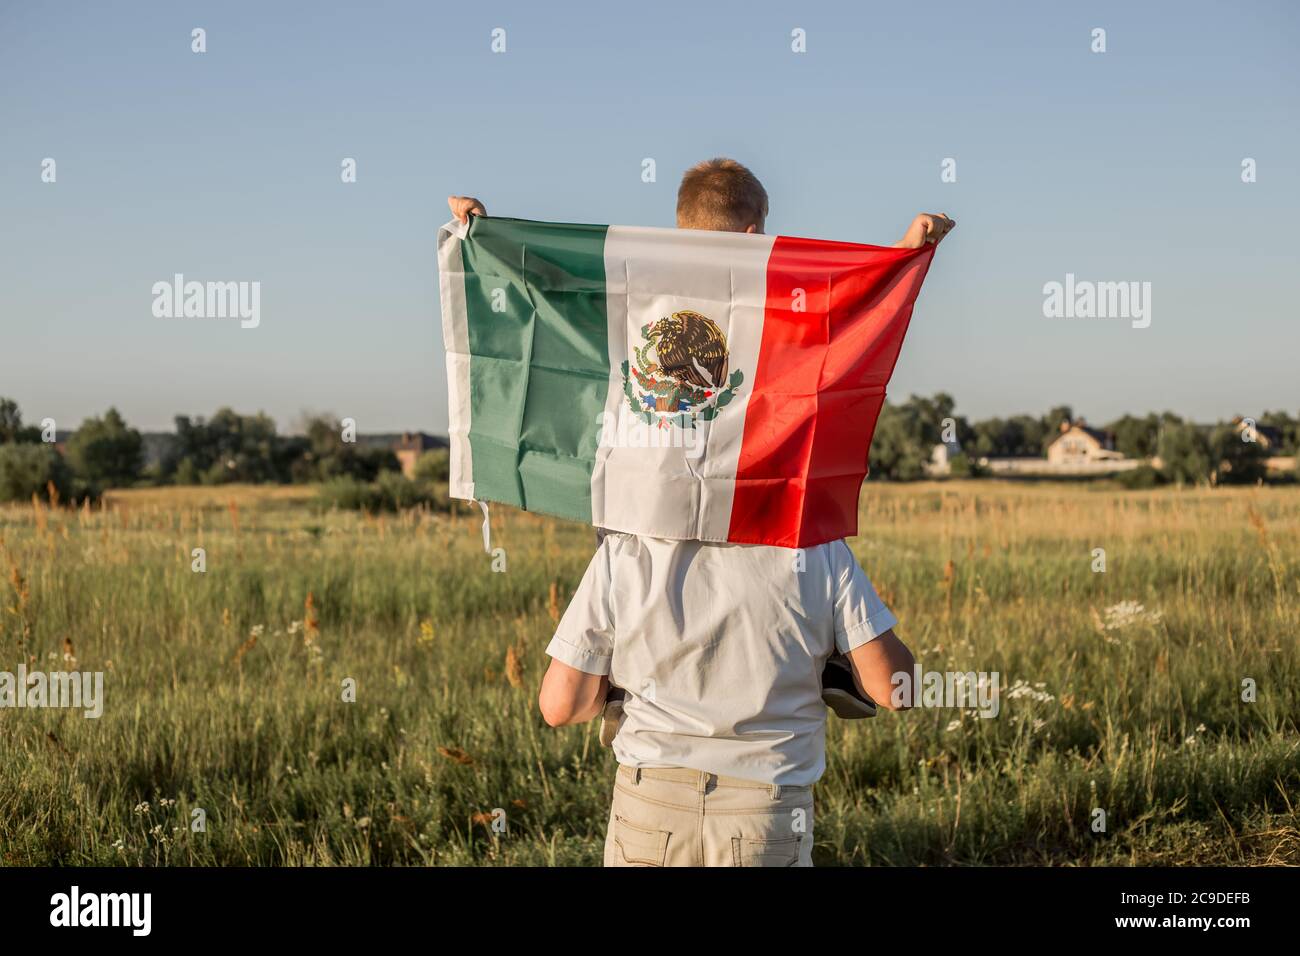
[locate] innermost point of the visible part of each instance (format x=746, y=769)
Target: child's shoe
x=840, y=691
x=612, y=715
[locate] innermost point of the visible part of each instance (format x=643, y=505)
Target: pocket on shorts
x=780, y=852
x=639, y=846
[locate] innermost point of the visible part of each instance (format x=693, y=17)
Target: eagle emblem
x=680, y=371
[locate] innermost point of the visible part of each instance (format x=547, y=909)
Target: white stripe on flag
x=673, y=491
x=455, y=336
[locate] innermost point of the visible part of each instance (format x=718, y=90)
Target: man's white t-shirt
x=720, y=648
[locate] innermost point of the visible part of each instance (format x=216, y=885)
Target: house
x=411, y=445
x=941, y=457
x=1268, y=437
x=1077, y=444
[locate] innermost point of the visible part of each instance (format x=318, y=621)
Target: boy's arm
x=927, y=227
x=864, y=630
x=874, y=665
x=582, y=649
x=571, y=696
x=462, y=207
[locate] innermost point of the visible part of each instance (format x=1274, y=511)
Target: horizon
x=292, y=430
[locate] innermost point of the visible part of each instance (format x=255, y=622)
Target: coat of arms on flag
x=763, y=358
x=680, y=372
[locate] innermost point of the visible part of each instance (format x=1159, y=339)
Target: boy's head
x=722, y=195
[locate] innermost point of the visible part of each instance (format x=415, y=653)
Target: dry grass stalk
x=514, y=670
x=456, y=755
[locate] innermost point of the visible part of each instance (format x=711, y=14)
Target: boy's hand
x=462, y=207
x=925, y=228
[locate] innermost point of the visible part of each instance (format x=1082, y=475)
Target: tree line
x=105, y=452
x=1189, y=453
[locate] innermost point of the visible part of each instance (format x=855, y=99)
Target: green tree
x=964, y=466
x=226, y=448
x=11, y=424
x=896, y=451
x=907, y=433
x=1235, y=460
x=1139, y=437
x=11, y=420
x=1020, y=436
x=328, y=456
x=433, y=467
x=30, y=469
x=1135, y=437
x=106, y=452
x=1185, y=454
x=1288, y=425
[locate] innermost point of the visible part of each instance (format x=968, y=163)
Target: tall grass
x=225, y=689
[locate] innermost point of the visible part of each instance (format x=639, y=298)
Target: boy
x=720, y=648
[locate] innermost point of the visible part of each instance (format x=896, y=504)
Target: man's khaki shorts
x=679, y=817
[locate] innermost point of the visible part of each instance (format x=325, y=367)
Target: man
x=720, y=650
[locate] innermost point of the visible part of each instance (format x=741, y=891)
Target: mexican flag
x=675, y=383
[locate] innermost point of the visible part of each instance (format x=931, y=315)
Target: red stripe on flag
x=819, y=386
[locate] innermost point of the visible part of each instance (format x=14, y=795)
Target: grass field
x=224, y=689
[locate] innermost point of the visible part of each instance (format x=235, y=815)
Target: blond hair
x=723, y=195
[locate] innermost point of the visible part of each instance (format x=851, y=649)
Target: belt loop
x=776, y=791
x=701, y=782
x=636, y=776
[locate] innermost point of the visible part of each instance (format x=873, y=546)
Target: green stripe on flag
x=538, y=334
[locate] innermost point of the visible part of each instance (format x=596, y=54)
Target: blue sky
x=1119, y=166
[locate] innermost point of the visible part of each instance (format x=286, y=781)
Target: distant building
x=1266, y=436
x=411, y=445
x=1077, y=444
x=941, y=457
x=1078, y=451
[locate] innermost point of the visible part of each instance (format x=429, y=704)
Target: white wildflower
x=1127, y=613
x=1022, y=689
